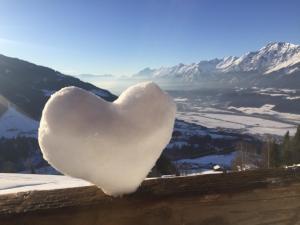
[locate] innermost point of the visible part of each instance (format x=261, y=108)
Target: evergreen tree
x=295, y=146
x=163, y=166
x=297, y=135
x=286, y=149
x=286, y=138
x=275, y=154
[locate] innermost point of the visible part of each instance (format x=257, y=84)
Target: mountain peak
x=279, y=46
x=270, y=58
x=147, y=71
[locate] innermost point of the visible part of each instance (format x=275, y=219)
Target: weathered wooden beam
x=252, y=197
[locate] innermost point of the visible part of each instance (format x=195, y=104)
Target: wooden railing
x=254, y=197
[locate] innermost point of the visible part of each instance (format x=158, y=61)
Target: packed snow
x=113, y=145
x=14, y=123
x=13, y=182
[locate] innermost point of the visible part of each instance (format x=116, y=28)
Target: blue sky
x=122, y=37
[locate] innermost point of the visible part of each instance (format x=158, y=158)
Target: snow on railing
x=251, y=197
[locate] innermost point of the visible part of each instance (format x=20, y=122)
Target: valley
x=253, y=111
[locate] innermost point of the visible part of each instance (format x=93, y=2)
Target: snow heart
x=113, y=145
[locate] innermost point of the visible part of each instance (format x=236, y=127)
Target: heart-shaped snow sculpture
x=113, y=145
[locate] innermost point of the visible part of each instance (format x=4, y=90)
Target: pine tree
x=296, y=145
x=286, y=149
x=286, y=138
x=297, y=135
x=275, y=154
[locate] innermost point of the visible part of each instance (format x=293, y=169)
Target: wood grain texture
x=252, y=197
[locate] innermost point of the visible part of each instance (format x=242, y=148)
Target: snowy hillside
x=28, y=86
x=13, y=123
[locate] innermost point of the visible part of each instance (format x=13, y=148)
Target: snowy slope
x=13, y=123
x=29, y=86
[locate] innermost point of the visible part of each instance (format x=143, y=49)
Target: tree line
x=16, y=153
x=271, y=154
x=287, y=153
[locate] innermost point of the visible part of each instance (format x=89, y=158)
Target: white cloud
x=9, y=41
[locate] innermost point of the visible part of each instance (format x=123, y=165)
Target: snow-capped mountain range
x=278, y=58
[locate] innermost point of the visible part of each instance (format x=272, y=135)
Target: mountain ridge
x=274, y=58
x=28, y=86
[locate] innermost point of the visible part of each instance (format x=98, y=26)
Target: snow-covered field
x=289, y=94
x=268, y=110
x=205, y=164
x=245, y=124
x=213, y=110
x=223, y=160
